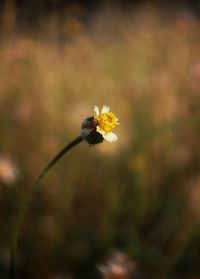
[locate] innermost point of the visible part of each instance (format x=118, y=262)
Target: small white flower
x=106, y=122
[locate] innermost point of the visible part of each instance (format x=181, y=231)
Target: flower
x=8, y=171
x=118, y=266
x=106, y=122
x=100, y=126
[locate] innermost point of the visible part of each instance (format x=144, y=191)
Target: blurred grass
x=140, y=195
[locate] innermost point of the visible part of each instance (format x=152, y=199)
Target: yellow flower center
x=106, y=121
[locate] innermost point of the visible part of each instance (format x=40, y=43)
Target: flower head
x=106, y=122
x=118, y=266
x=100, y=126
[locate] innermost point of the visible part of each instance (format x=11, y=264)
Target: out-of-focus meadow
x=108, y=210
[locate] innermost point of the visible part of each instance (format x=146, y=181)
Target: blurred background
x=130, y=209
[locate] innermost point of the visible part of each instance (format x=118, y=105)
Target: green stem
x=29, y=197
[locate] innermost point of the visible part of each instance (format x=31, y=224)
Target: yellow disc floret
x=106, y=121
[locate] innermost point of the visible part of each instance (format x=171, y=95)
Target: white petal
x=105, y=109
x=96, y=111
x=111, y=137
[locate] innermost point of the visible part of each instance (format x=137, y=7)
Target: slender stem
x=12, y=266
x=28, y=200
